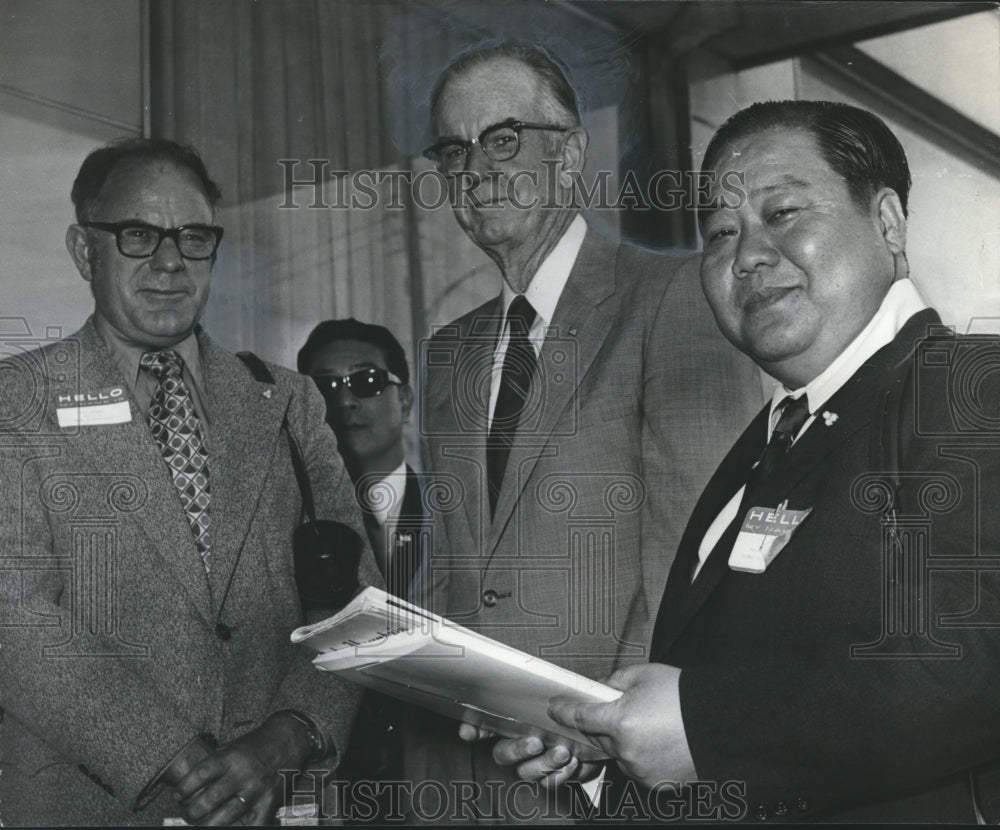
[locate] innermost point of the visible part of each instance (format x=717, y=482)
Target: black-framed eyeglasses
x=139, y=240
x=364, y=383
x=500, y=142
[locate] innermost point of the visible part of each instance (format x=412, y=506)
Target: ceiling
x=750, y=32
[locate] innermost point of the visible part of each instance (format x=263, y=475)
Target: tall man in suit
x=573, y=418
x=826, y=645
x=146, y=573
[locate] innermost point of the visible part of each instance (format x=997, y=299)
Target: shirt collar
x=396, y=481
x=126, y=354
x=547, y=285
x=900, y=303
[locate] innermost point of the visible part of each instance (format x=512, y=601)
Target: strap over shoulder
x=263, y=375
x=257, y=367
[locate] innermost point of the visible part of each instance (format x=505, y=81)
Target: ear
x=574, y=155
x=406, y=399
x=892, y=219
x=78, y=245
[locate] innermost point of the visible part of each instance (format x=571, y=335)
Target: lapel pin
x=267, y=394
x=830, y=418
x=572, y=332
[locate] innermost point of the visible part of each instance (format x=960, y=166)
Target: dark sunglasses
x=364, y=383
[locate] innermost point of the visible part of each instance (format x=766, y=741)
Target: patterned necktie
x=794, y=413
x=515, y=384
x=177, y=430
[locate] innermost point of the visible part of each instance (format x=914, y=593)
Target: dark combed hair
x=546, y=68
x=102, y=162
x=333, y=331
x=854, y=142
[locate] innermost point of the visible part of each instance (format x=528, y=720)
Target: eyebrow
x=703, y=214
x=786, y=181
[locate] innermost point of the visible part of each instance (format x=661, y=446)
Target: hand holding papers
x=643, y=730
x=401, y=650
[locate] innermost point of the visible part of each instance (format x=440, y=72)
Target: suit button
x=761, y=813
x=489, y=598
x=781, y=809
x=802, y=804
x=223, y=631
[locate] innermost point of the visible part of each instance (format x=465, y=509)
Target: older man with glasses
x=576, y=416
x=146, y=569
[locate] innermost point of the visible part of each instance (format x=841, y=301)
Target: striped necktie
x=794, y=413
x=515, y=385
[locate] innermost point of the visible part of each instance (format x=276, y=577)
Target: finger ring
x=242, y=801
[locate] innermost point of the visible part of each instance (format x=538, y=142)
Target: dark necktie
x=515, y=385
x=794, y=413
x=177, y=430
x=369, y=498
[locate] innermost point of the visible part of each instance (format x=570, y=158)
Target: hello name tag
x=91, y=409
x=765, y=531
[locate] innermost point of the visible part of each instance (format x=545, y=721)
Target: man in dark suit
x=826, y=645
x=361, y=370
x=362, y=373
x=147, y=589
x=573, y=418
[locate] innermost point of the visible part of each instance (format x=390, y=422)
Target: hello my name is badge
x=765, y=531
x=90, y=409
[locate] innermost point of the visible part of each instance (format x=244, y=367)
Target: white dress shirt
x=386, y=503
x=127, y=355
x=384, y=500
x=543, y=293
x=900, y=303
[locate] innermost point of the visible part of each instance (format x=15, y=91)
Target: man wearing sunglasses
x=146, y=670
x=578, y=413
x=362, y=373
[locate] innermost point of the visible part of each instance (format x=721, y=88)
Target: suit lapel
x=854, y=404
x=246, y=419
x=462, y=357
x=130, y=452
x=680, y=597
x=581, y=322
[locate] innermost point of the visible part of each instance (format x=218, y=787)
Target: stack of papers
x=402, y=650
